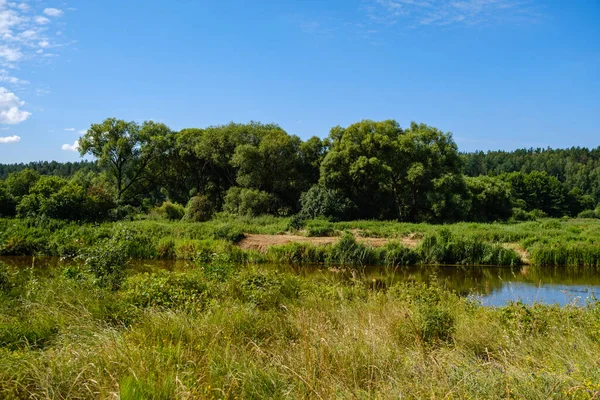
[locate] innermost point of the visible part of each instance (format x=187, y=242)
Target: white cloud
x=5, y=77
x=41, y=20
x=82, y=132
x=10, y=139
x=53, y=12
x=10, y=54
x=447, y=12
x=70, y=129
x=71, y=147
x=10, y=112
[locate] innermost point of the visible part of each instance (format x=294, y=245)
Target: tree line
x=368, y=170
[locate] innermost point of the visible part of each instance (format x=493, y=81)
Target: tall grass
x=550, y=242
x=223, y=332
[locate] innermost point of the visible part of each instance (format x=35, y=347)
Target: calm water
x=493, y=286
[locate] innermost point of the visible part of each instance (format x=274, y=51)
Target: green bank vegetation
x=224, y=331
x=547, y=242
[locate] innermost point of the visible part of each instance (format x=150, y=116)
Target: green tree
x=387, y=172
x=130, y=153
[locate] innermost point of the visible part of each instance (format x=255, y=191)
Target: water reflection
x=493, y=286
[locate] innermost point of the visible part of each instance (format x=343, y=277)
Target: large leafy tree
x=388, y=172
x=129, y=152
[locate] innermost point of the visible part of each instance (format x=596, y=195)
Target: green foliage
x=444, y=248
x=106, y=262
x=490, y=199
x=199, y=209
x=297, y=222
x=266, y=289
x=436, y=324
x=248, y=202
x=171, y=211
x=229, y=233
x=130, y=153
x=19, y=333
x=563, y=254
x=320, y=201
x=589, y=214
x=388, y=172
x=347, y=251
x=166, y=290
x=7, y=202
x=518, y=214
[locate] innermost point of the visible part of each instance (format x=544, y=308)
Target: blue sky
x=499, y=74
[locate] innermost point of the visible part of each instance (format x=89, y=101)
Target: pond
x=493, y=286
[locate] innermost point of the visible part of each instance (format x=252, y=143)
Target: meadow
x=222, y=330
x=546, y=242
x=239, y=323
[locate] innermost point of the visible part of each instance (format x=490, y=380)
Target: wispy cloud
x=446, y=12
x=26, y=34
x=70, y=129
x=10, y=139
x=53, y=12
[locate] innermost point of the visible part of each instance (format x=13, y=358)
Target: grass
x=221, y=330
x=548, y=242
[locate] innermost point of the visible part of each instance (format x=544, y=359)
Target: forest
x=368, y=170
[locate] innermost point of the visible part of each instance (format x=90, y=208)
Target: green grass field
x=548, y=242
x=230, y=325
x=225, y=331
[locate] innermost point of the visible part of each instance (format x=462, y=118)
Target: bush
x=199, y=209
x=166, y=290
x=171, y=211
x=248, y=202
x=436, y=324
x=320, y=201
x=297, y=222
x=107, y=262
x=518, y=214
x=591, y=214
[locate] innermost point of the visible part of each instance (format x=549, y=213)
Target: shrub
x=199, y=209
x=166, y=290
x=16, y=333
x=171, y=211
x=320, y=201
x=297, y=222
x=107, y=262
x=248, y=202
x=436, y=324
x=518, y=214
x=538, y=214
x=591, y=214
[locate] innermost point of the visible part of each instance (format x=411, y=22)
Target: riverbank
x=549, y=242
x=219, y=330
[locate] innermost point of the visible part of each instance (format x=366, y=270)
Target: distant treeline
x=577, y=167
x=368, y=170
x=64, y=169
